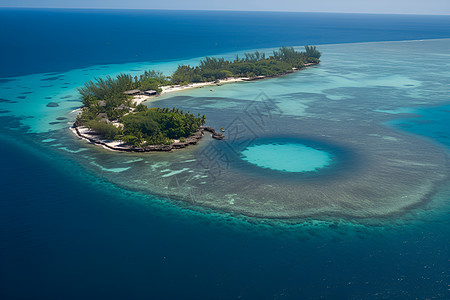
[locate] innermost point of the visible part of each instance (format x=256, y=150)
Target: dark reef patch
x=5, y=80
x=180, y=98
x=52, y=78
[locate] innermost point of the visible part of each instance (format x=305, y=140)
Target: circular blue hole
x=286, y=157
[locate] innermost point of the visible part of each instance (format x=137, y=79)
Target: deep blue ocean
x=54, y=40
x=66, y=233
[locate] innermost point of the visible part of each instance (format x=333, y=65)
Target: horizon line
x=227, y=10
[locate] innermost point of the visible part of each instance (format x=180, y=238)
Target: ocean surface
x=80, y=222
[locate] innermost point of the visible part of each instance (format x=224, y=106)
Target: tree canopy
x=253, y=64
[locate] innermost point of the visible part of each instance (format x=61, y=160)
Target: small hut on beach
x=133, y=92
x=151, y=93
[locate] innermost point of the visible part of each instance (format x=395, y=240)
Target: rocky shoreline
x=117, y=145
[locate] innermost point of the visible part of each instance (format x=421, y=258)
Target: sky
x=347, y=6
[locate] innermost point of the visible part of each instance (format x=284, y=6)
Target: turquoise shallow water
x=286, y=157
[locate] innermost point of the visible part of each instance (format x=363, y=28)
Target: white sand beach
x=138, y=99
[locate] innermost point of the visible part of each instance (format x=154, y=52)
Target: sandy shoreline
x=138, y=99
x=178, y=88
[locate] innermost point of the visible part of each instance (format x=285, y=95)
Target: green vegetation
x=111, y=113
x=159, y=126
x=252, y=65
x=107, y=130
x=145, y=126
x=105, y=98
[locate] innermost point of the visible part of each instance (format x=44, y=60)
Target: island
x=114, y=116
